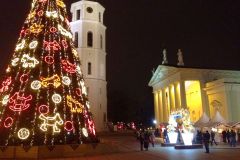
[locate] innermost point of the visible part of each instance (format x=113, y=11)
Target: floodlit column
x=183, y=94
x=165, y=114
x=156, y=106
x=160, y=106
x=177, y=95
x=172, y=98
x=204, y=98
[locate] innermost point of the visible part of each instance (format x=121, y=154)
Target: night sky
x=207, y=31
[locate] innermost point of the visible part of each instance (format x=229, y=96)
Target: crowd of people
x=206, y=138
x=146, y=137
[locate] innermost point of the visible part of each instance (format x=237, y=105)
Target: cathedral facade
x=199, y=90
x=90, y=41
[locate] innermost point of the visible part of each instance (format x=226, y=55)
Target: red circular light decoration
x=78, y=91
x=64, y=43
x=43, y=109
x=8, y=122
x=49, y=59
x=53, y=29
x=24, y=78
x=68, y=126
x=40, y=13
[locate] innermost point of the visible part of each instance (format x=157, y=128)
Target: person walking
x=232, y=138
x=146, y=140
x=213, y=138
x=228, y=136
x=141, y=138
x=152, y=138
x=206, y=138
x=224, y=136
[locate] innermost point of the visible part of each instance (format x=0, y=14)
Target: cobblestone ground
x=129, y=149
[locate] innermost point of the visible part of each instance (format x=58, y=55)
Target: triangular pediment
x=161, y=73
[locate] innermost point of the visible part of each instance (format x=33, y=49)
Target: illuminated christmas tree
x=43, y=98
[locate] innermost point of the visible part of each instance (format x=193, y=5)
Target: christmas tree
x=43, y=98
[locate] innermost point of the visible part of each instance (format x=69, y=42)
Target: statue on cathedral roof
x=165, y=61
x=180, y=58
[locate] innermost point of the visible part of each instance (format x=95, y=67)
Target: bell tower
x=89, y=39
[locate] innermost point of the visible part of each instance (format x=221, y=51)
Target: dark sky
x=207, y=31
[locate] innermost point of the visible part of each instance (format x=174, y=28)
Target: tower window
x=101, y=42
x=104, y=117
x=99, y=16
x=90, y=39
x=89, y=68
x=78, y=14
x=76, y=39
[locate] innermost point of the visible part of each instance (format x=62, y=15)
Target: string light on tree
x=8, y=122
x=15, y=61
x=66, y=80
x=23, y=133
x=56, y=98
x=29, y=62
x=41, y=93
x=35, y=85
x=52, y=122
x=21, y=45
x=84, y=131
x=68, y=126
x=33, y=44
x=5, y=99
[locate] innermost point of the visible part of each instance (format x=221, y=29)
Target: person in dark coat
x=232, y=138
x=224, y=135
x=213, y=138
x=199, y=137
x=146, y=140
x=141, y=139
x=228, y=136
x=206, y=138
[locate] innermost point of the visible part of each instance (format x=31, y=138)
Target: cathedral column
x=164, y=105
x=204, y=97
x=177, y=95
x=160, y=106
x=183, y=95
x=156, y=106
x=171, y=103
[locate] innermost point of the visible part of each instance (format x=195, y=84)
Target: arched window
x=76, y=39
x=101, y=42
x=89, y=68
x=90, y=39
x=78, y=14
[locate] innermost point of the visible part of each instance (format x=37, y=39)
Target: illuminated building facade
x=199, y=90
x=89, y=34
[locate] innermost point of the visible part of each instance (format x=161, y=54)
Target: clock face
x=89, y=10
